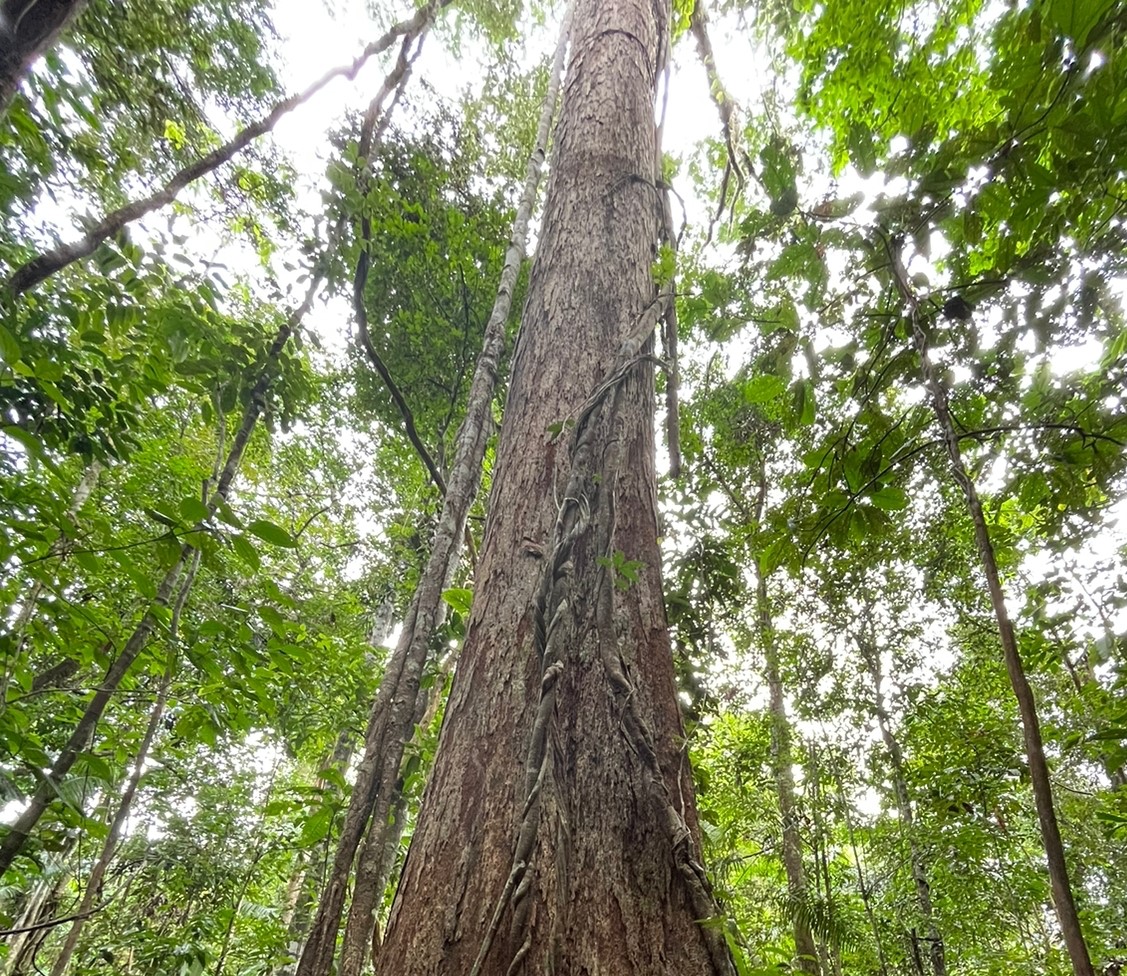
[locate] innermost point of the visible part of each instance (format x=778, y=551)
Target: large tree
x=559, y=829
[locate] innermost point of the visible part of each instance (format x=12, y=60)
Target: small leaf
x=274, y=534
x=459, y=598
x=245, y=550
x=9, y=347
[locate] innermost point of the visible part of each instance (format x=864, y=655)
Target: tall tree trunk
x=558, y=831
x=936, y=950
x=1067, y=916
x=782, y=768
x=782, y=760
x=376, y=858
x=27, y=29
x=399, y=702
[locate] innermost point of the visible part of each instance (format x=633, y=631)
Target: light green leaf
x=274, y=534
x=890, y=499
x=760, y=389
x=459, y=598
x=9, y=347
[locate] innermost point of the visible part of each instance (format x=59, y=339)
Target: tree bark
x=558, y=831
x=27, y=29
x=1063, y=900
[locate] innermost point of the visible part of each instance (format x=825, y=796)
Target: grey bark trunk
x=782, y=763
x=1063, y=900
x=558, y=831
x=27, y=29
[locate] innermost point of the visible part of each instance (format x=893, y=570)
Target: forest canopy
x=664, y=469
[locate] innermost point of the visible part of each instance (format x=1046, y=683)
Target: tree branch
x=44, y=265
x=393, y=82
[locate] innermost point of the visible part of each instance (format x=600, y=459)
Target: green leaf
x=9, y=347
x=161, y=517
x=459, y=598
x=316, y=827
x=274, y=620
x=804, y=404
x=193, y=510
x=760, y=389
x=274, y=534
x=779, y=176
x=1076, y=18
x=223, y=510
x=890, y=499
x=245, y=550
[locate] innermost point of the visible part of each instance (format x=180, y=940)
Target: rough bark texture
x=602, y=807
x=1063, y=900
x=27, y=29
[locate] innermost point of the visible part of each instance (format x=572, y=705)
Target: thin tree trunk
x=42, y=266
x=27, y=29
x=93, y=890
x=936, y=949
x=306, y=877
x=1067, y=915
x=558, y=832
x=829, y=951
x=39, y=903
x=866, y=900
x=393, y=712
x=378, y=857
x=782, y=761
x=83, y=733
x=727, y=108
